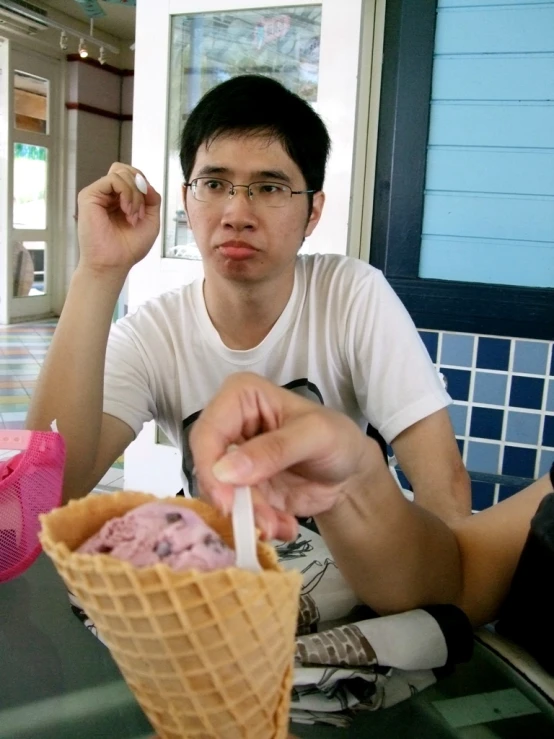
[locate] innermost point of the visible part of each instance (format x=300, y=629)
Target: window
x=464, y=201
x=209, y=48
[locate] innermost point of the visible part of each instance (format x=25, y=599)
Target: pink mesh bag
x=30, y=484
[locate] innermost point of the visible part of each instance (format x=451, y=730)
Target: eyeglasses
x=215, y=191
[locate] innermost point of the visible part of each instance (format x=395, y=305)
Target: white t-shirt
x=344, y=339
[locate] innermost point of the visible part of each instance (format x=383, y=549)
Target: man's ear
x=184, y=189
x=317, y=208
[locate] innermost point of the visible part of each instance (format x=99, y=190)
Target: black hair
x=253, y=103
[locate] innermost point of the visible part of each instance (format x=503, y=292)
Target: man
x=253, y=156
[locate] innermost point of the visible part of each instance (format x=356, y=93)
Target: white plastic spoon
x=244, y=531
x=244, y=528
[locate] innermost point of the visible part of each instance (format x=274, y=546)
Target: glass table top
x=58, y=681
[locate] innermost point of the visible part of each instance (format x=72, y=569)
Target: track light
x=63, y=41
x=83, y=51
x=102, y=56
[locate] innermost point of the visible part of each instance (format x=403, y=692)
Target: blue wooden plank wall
x=489, y=191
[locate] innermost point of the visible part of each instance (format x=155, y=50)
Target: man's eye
x=269, y=189
x=213, y=184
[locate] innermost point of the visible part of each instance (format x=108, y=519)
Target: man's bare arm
x=395, y=554
x=490, y=546
x=70, y=387
x=117, y=226
x=429, y=457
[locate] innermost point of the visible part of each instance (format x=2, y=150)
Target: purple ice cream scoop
x=160, y=532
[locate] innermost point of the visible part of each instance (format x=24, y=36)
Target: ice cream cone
x=207, y=655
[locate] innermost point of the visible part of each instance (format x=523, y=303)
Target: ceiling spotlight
x=83, y=52
x=63, y=41
x=102, y=56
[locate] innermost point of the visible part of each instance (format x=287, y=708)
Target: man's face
x=241, y=239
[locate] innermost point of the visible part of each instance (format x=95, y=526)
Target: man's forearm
x=71, y=383
x=396, y=555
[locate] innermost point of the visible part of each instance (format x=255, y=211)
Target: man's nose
x=238, y=210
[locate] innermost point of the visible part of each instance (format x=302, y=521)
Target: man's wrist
x=366, y=487
x=111, y=280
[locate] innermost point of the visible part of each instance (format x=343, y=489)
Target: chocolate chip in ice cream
x=163, y=548
x=173, y=517
x=214, y=542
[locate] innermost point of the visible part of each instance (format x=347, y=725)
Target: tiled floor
x=23, y=347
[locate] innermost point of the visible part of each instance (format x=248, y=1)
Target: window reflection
x=30, y=102
x=30, y=166
x=209, y=48
x=29, y=269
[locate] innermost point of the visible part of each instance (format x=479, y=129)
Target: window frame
x=501, y=310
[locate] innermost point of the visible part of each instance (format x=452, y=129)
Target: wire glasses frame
x=215, y=190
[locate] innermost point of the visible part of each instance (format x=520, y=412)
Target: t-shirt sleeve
x=396, y=383
x=127, y=387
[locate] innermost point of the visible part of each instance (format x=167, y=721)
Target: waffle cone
x=208, y=655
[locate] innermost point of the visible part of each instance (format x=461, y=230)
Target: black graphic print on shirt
x=302, y=387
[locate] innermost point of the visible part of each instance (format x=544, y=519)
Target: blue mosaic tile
x=547, y=434
x=461, y=445
x=493, y=353
x=490, y=388
x=482, y=457
x=552, y=362
x=547, y=460
x=530, y=357
x=526, y=392
x=431, y=341
x=482, y=495
x=506, y=491
x=458, y=416
x=458, y=383
x=523, y=428
x=519, y=462
x=550, y=396
x=457, y=349
x=486, y=423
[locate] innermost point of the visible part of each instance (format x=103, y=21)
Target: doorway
x=29, y=203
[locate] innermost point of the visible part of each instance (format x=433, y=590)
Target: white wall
x=94, y=141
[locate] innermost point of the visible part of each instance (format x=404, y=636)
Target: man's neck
x=243, y=314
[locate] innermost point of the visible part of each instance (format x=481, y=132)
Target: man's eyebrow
x=262, y=174
x=209, y=169
x=272, y=174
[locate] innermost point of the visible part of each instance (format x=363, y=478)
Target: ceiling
x=119, y=20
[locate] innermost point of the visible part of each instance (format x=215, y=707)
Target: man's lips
x=237, y=250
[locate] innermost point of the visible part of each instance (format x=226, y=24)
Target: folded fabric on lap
x=345, y=662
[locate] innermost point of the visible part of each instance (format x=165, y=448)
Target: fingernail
x=134, y=219
x=222, y=502
x=226, y=506
x=267, y=527
x=232, y=468
x=141, y=184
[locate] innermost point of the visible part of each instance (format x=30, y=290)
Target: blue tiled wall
x=503, y=406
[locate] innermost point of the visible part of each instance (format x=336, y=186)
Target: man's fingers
x=258, y=460
x=264, y=456
x=236, y=413
x=133, y=200
x=121, y=181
